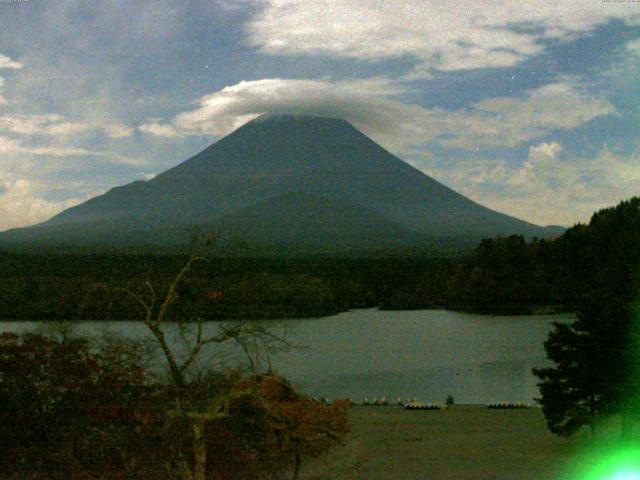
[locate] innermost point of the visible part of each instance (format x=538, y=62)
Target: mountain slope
x=314, y=222
x=243, y=182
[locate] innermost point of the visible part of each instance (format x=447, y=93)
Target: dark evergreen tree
x=590, y=377
x=597, y=357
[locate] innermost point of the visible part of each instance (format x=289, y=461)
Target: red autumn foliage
x=69, y=412
x=271, y=428
x=57, y=401
x=214, y=295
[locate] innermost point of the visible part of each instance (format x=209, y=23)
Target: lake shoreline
x=537, y=311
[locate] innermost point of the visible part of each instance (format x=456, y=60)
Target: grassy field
x=463, y=442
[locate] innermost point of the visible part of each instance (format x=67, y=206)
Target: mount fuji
x=280, y=181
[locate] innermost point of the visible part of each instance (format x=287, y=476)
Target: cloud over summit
x=505, y=121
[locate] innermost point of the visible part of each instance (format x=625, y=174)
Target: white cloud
x=622, y=75
x=8, y=63
x=9, y=145
x=160, y=130
x=40, y=146
x=633, y=47
x=58, y=126
x=232, y=5
x=30, y=187
x=117, y=130
x=508, y=121
x=22, y=202
x=545, y=150
x=15, y=147
x=55, y=125
x=62, y=151
x=451, y=35
x=549, y=187
x=30, y=124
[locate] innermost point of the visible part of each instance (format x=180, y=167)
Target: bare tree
x=254, y=339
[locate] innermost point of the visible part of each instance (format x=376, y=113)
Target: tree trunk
x=176, y=372
x=296, y=465
x=199, y=450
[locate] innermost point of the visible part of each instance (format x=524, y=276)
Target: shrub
x=67, y=411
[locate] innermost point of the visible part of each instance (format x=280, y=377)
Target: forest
x=503, y=275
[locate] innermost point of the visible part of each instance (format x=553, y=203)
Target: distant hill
x=292, y=182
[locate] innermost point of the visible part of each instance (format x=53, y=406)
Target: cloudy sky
x=530, y=108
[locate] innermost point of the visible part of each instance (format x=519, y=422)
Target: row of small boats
x=414, y=404
x=409, y=403
x=508, y=406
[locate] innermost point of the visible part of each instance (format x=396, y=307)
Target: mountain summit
x=279, y=180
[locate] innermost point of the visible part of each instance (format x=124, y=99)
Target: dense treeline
x=504, y=275
x=56, y=287
x=509, y=275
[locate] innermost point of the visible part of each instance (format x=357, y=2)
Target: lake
x=426, y=354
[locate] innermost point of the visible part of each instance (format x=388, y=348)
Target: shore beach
x=462, y=442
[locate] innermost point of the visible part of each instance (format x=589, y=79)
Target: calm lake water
x=426, y=354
